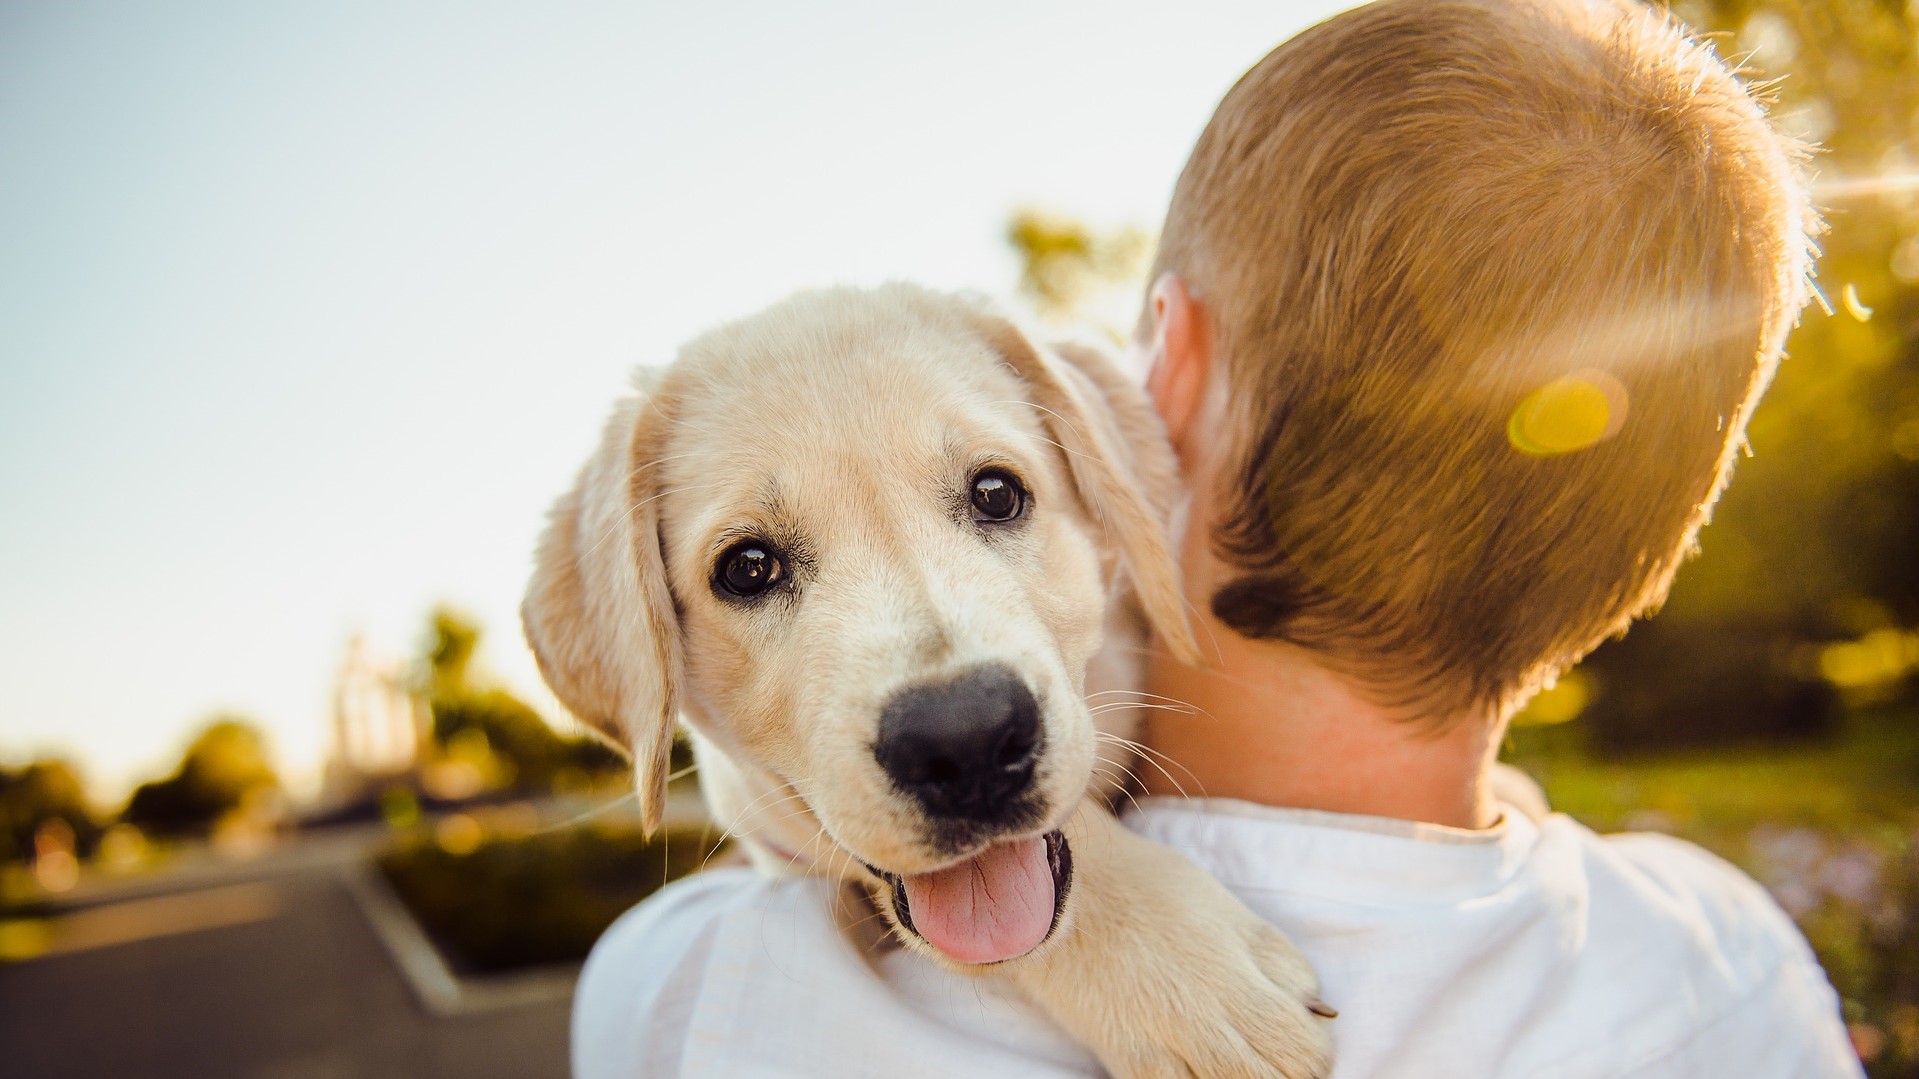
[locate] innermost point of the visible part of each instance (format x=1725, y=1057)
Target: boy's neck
x=1270, y=725
x=1267, y=723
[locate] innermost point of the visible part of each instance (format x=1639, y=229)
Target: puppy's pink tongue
x=996, y=906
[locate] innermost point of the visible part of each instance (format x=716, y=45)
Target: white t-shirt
x=1529, y=950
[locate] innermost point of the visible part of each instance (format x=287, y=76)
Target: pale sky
x=308, y=312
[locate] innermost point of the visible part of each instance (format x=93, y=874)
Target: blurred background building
x=380, y=721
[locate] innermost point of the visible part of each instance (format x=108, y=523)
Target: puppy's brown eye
x=748, y=569
x=997, y=496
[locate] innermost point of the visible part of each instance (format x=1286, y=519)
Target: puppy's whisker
x=732, y=827
x=1199, y=618
x=1063, y=448
x=800, y=814
x=782, y=793
x=861, y=923
x=793, y=859
x=1125, y=787
x=641, y=504
x=766, y=803
x=732, y=831
x=1131, y=776
x=658, y=461
x=657, y=495
x=1065, y=421
x=1152, y=754
x=804, y=810
x=1182, y=706
x=1148, y=649
x=835, y=854
x=1183, y=709
x=1138, y=693
x=596, y=811
x=805, y=851
x=1177, y=786
x=1153, y=757
x=762, y=826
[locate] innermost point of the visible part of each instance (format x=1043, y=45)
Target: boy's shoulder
x=1535, y=948
x=1701, y=955
x=1692, y=887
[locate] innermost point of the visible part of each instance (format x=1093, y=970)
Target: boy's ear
x=598, y=612
x=1116, y=450
x=1182, y=363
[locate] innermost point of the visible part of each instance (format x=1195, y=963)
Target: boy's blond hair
x=1495, y=287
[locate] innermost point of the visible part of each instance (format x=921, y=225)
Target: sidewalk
x=269, y=971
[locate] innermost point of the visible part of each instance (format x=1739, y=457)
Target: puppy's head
x=865, y=542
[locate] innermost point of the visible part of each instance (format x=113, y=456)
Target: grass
x=1867, y=777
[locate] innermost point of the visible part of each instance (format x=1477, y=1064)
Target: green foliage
x=1724, y=683
x=472, y=720
x=452, y=638
x=535, y=754
x=1072, y=272
x=225, y=766
x=40, y=792
x=549, y=895
x=1822, y=525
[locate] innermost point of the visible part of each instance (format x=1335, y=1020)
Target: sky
x=308, y=312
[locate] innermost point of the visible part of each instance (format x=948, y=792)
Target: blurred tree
x=512, y=729
x=452, y=638
x=470, y=718
x=1073, y=273
x=43, y=791
x=1822, y=526
x=225, y=766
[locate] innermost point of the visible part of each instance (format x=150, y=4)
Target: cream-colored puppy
x=866, y=545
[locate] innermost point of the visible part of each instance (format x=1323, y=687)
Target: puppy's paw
x=1163, y=972
x=1250, y=1008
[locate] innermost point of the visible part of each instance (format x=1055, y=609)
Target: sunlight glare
x=1849, y=299
x=1837, y=189
x=1568, y=414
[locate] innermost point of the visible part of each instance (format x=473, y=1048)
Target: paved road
x=293, y=985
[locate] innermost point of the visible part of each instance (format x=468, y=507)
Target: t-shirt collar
x=1377, y=861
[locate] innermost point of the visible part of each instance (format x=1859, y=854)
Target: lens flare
x=1849, y=299
x=1568, y=414
x=1839, y=189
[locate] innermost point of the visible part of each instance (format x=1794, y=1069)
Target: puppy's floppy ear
x=1122, y=466
x=598, y=612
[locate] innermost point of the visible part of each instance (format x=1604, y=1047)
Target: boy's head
x=1491, y=289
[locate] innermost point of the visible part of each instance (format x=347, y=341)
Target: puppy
x=866, y=544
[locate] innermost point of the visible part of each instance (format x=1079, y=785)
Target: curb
x=438, y=989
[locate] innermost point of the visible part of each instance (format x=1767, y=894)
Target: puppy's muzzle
x=965, y=749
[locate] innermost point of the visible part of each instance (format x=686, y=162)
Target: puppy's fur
x=842, y=428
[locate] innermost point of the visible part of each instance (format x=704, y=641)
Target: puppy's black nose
x=964, y=748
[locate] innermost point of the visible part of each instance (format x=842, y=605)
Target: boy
x=1459, y=314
